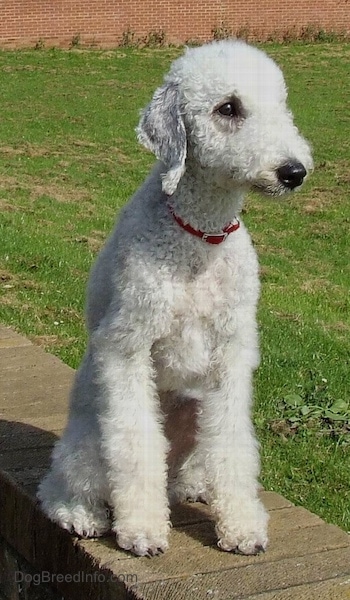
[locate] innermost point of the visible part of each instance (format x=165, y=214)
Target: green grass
x=69, y=160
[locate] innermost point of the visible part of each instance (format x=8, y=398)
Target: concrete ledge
x=306, y=558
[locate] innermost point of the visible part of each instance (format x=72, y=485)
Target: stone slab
x=255, y=579
x=9, y=338
x=331, y=589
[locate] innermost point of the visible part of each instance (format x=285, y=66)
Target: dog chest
x=203, y=315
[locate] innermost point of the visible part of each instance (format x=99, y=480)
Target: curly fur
x=161, y=403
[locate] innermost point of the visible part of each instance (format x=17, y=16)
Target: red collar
x=210, y=238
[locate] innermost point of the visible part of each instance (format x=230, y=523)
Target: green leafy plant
x=313, y=408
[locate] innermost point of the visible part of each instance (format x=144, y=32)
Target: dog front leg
x=134, y=449
x=230, y=448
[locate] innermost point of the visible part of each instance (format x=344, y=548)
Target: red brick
x=24, y=23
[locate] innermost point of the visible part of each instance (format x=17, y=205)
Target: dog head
x=223, y=105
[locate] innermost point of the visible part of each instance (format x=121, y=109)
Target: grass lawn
x=69, y=160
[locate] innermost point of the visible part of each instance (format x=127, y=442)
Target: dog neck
x=207, y=203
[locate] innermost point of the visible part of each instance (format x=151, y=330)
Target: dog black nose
x=291, y=174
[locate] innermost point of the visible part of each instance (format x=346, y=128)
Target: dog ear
x=162, y=130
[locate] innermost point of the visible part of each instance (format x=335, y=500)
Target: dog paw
x=142, y=543
x=179, y=492
x=82, y=521
x=243, y=545
x=247, y=532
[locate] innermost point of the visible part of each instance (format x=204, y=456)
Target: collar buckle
x=214, y=238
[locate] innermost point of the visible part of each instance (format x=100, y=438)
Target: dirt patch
x=99, y=153
x=84, y=144
x=123, y=85
x=340, y=329
x=314, y=286
x=11, y=68
x=111, y=54
x=8, y=182
x=6, y=206
x=10, y=299
x=340, y=326
x=94, y=241
x=51, y=341
x=294, y=317
x=319, y=199
x=309, y=56
x=7, y=276
x=72, y=314
x=10, y=281
x=36, y=188
x=59, y=192
x=27, y=150
x=266, y=272
x=338, y=51
x=333, y=178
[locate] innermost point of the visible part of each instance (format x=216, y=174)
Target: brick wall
x=102, y=22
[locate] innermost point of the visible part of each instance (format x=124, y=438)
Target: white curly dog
x=160, y=409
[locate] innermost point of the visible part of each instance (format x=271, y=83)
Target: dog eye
x=229, y=109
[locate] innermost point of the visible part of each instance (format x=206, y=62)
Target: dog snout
x=291, y=174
